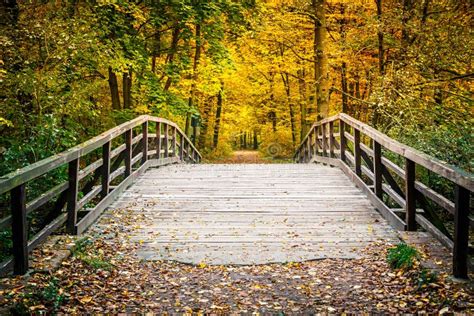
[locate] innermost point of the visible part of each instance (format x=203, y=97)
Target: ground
x=103, y=274
x=244, y=156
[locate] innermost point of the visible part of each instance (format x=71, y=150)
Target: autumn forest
x=220, y=81
x=235, y=73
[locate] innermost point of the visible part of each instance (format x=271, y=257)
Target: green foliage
x=5, y=244
x=84, y=251
x=50, y=298
x=402, y=256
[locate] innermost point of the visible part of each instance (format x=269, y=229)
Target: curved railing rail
x=91, y=186
x=358, y=150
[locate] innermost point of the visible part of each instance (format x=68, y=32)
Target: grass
x=85, y=251
x=402, y=256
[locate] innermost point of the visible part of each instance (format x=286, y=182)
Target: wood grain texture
x=250, y=214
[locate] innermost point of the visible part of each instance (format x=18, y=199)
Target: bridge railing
x=98, y=170
x=367, y=157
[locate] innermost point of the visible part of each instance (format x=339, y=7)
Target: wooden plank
x=72, y=195
x=324, y=141
x=87, y=220
x=128, y=152
x=410, y=195
x=461, y=233
x=342, y=140
x=378, y=169
x=158, y=140
x=357, y=154
x=166, y=141
x=19, y=230
x=105, y=171
x=386, y=212
x=45, y=197
x=145, y=141
x=331, y=139
x=23, y=175
x=41, y=236
x=429, y=227
x=173, y=142
x=449, y=172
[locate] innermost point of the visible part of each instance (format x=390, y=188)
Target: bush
x=402, y=256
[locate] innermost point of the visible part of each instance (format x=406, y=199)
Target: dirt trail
x=244, y=156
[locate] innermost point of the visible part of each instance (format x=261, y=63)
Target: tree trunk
x=114, y=92
x=286, y=82
x=217, y=124
x=345, y=105
x=127, y=89
x=321, y=63
x=205, y=122
x=197, y=56
x=171, y=53
x=380, y=38
x=303, y=102
x=255, y=139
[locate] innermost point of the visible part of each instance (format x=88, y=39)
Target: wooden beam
x=72, y=191
x=461, y=232
x=357, y=155
x=19, y=230
x=145, y=142
x=105, y=171
x=378, y=169
x=158, y=140
x=331, y=139
x=342, y=137
x=410, y=195
x=128, y=152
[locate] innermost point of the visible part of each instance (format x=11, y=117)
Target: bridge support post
x=166, y=141
x=410, y=195
x=19, y=230
x=73, y=171
x=461, y=233
x=145, y=141
x=342, y=140
x=323, y=142
x=316, y=141
x=128, y=153
x=331, y=139
x=181, y=148
x=357, y=154
x=378, y=169
x=158, y=140
x=173, y=144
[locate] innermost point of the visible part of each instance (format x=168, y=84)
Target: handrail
x=377, y=176
x=134, y=153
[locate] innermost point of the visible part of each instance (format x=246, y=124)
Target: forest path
x=247, y=214
x=244, y=157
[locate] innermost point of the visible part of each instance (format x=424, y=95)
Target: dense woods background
x=235, y=73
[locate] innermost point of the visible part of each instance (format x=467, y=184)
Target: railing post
x=158, y=140
x=73, y=171
x=128, y=152
x=145, y=141
x=461, y=232
x=410, y=194
x=323, y=142
x=316, y=141
x=331, y=139
x=166, y=141
x=308, y=146
x=105, y=169
x=173, y=144
x=378, y=169
x=342, y=137
x=19, y=230
x=357, y=154
x=181, y=148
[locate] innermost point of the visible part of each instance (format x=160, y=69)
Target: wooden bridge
x=356, y=186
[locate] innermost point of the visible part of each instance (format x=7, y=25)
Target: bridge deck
x=251, y=214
